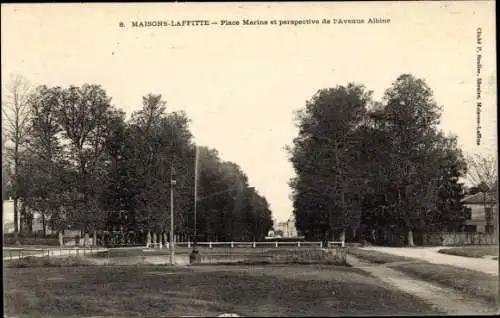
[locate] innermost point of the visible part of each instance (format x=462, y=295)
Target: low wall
x=464, y=238
x=72, y=242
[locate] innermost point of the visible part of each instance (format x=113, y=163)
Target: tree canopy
x=83, y=166
x=369, y=167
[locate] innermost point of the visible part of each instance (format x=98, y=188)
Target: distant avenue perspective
x=109, y=216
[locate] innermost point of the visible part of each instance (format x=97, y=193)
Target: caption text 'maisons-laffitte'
x=249, y=22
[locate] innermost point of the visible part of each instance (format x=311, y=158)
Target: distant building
x=484, y=213
x=290, y=227
x=285, y=229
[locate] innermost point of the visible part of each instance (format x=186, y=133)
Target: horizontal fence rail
x=274, y=244
x=336, y=243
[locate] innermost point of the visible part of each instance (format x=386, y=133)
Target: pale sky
x=241, y=84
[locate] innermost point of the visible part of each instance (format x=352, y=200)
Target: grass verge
x=306, y=256
x=45, y=261
x=23, y=252
x=471, y=251
x=247, y=256
x=167, y=291
x=377, y=257
x=472, y=283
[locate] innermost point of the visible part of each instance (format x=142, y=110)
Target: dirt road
x=443, y=299
x=431, y=255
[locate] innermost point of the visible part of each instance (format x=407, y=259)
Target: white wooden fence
x=268, y=244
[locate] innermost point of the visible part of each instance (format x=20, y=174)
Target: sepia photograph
x=249, y=159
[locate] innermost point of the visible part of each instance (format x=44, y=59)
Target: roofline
x=480, y=196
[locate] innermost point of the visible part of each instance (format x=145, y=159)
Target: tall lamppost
x=172, y=245
x=195, y=238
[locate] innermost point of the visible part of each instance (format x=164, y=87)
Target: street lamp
x=172, y=184
x=172, y=245
x=197, y=154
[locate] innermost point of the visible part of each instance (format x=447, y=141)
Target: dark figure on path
x=194, y=257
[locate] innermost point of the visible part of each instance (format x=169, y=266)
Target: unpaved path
x=444, y=299
x=431, y=255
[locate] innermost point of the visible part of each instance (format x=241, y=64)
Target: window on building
x=468, y=214
x=470, y=228
x=488, y=229
x=487, y=212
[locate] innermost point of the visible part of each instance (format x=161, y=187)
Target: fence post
x=210, y=244
x=253, y=244
x=276, y=243
x=321, y=244
x=189, y=244
x=232, y=244
x=298, y=244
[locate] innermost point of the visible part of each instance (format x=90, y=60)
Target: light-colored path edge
x=443, y=299
x=57, y=252
x=431, y=255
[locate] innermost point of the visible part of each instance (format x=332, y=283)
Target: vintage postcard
x=249, y=159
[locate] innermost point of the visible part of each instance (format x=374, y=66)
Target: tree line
x=73, y=157
x=372, y=170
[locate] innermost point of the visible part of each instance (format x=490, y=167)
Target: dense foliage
x=83, y=166
x=374, y=170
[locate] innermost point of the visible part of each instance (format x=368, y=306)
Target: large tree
x=382, y=165
x=83, y=166
x=323, y=155
x=482, y=169
x=46, y=151
x=16, y=116
x=412, y=116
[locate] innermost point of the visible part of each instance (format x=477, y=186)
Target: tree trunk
x=342, y=235
x=44, y=226
x=22, y=218
x=86, y=240
x=29, y=218
x=16, y=215
x=16, y=185
x=410, y=239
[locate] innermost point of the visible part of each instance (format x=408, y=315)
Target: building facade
x=285, y=229
x=483, y=214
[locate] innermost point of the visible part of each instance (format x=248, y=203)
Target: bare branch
x=482, y=169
